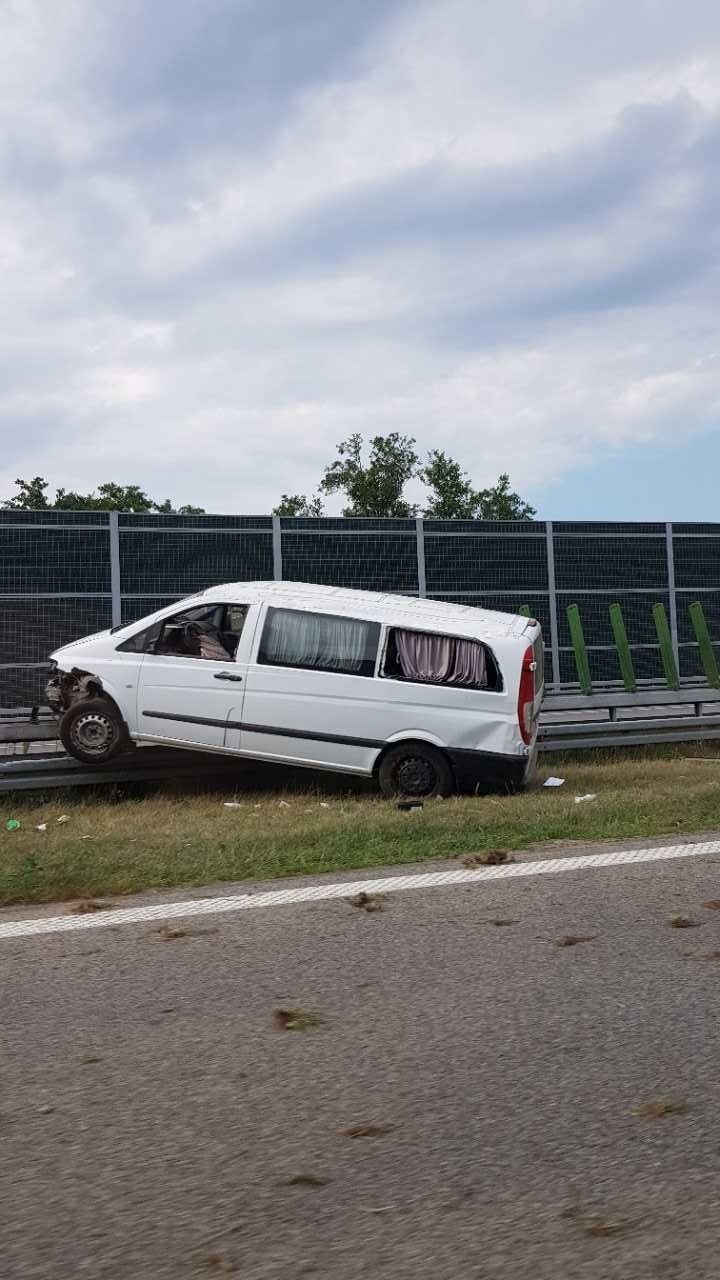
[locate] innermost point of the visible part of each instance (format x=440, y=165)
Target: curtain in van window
x=315, y=640
x=441, y=659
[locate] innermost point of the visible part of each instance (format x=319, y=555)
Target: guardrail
x=568, y=722
x=576, y=722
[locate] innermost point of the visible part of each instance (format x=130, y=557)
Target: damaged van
x=426, y=697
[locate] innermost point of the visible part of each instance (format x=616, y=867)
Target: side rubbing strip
x=269, y=729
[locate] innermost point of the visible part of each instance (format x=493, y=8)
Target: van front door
x=188, y=693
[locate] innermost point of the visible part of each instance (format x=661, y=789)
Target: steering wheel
x=191, y=634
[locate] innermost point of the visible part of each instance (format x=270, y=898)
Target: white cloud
x=493, y=229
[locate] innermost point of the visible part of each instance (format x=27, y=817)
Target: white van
x=426, y=696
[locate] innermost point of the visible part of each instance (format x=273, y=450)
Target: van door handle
x=227, y=675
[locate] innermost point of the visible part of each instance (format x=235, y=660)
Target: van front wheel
x=417, y=771
x=93, y=731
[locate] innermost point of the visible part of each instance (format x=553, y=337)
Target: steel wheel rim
x=93, y=733
x=415, y=776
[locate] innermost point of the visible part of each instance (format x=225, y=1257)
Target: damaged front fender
x=64, y=688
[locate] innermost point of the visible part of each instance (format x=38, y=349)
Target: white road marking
x=347, y=889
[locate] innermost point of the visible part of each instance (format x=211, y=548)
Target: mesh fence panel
x=66, y=574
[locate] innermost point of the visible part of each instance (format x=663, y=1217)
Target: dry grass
x=169, y=839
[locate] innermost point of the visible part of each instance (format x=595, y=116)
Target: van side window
x=209, y=631
x=425, y=658
x=319, y=641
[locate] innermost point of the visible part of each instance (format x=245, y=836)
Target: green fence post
x=627, y=669
x=577, y=638
x=707, y=653
x=667, y=654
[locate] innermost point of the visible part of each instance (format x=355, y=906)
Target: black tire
x=93, y=731
x=417, y=771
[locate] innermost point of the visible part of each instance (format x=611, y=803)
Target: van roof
x=378, y=606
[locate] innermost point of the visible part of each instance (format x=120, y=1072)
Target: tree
x=375, y=488
x=452, y=496
x=501, y=503
x=31, y=496
x=296, y=504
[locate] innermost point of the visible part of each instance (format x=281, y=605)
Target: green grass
x=111, y=847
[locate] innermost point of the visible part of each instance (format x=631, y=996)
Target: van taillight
x=526, y=696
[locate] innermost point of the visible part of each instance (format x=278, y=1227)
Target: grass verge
x=112, y=847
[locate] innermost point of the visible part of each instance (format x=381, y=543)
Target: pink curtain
x=441, y=659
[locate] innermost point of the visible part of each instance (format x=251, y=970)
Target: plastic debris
x=554, y=782
x=283, y=804
x=42, y=826
x=64, y=817
x=232, y=804
x=582, y=799
x=12, y=824
x=323, y=805
x=410, y=806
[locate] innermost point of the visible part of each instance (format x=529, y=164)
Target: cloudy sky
x=232, y=232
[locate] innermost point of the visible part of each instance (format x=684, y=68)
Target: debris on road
x=683, y=922
x=712, y=905
x=367, y=1130
x=574, y=939
x=170, y=932
x=591, y=1224
x=658, y=1108
x=86, y=905
x=297, y=1020
x=307, y=1180
x=493, y=858
x=554, y=782
x=367, y=901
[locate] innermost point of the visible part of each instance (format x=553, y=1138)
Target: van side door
x=310, y=695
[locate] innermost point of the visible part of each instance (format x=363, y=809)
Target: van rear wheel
x=417, y=771
x=93, y=731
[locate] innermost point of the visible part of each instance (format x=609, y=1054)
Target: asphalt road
x=155, y=1122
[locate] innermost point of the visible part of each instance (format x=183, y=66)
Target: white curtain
x=315, y=640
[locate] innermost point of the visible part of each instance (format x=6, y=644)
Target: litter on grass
x=582, y=799
x=554, y=782
x=12, y=824
x=64, y=817
x=42, y=826
x=231, y=804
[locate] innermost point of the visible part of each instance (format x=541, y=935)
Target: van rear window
x=319, y=642
x=427, y=658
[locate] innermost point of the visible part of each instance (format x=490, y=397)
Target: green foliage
x=296, y=504
x=31, y=496
x=375, y=487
